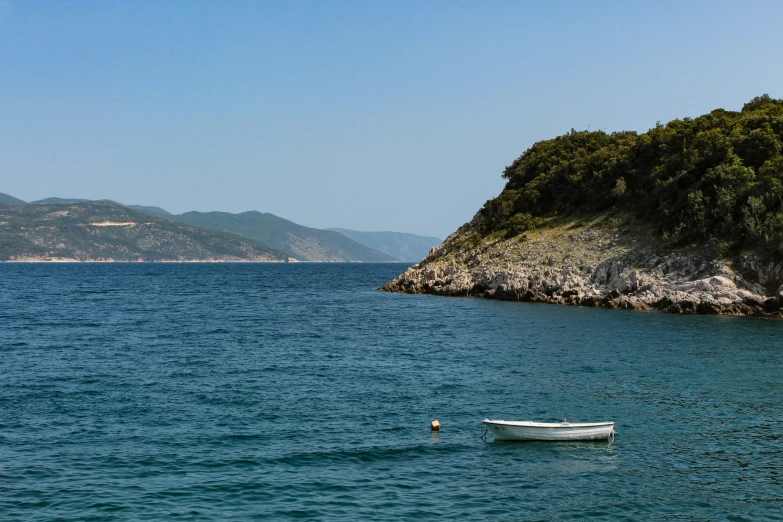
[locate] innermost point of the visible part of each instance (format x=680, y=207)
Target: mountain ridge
x=7, y=199
x=296, y=241
x=303, y=243
x=108, y=231
x=400, y=245
x=59, y=201
x=155, y=211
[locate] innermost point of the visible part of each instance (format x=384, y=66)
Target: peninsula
x=686, y=218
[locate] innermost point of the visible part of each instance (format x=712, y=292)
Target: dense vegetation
x=714, y=180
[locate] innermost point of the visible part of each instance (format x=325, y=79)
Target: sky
x=367, y=115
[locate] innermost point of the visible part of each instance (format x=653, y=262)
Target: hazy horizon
x=365, y=116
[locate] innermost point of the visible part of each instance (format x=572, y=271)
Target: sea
x=300, y=391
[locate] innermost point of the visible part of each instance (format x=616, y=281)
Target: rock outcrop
x=595, y=264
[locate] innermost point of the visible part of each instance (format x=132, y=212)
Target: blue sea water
x=299, y=391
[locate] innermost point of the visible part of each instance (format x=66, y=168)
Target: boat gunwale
x=547, y=425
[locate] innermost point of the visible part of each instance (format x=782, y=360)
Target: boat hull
x=522, y=430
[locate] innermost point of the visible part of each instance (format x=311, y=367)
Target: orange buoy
x=435, y=425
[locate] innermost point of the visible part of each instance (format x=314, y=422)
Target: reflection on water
x=561, y=457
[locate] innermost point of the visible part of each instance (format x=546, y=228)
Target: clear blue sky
x=372, y=115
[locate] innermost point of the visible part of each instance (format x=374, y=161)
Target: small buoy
x=435, y=425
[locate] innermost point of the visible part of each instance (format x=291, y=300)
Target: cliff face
x=601, y=262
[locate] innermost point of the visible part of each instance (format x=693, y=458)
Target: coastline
x=599, y=264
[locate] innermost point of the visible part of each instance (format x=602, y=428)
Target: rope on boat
x=484, y=435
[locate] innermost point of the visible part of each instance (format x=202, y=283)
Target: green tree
x=716, y=178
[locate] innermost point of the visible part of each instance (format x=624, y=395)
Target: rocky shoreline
x=595, y=264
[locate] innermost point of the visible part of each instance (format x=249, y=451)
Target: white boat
x=529, y=430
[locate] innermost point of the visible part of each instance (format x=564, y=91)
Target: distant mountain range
x=108, y=231
x=269, y=236
x=405, y=247
x=308, y=244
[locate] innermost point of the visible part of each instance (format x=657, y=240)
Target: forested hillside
x=715, y=180
x=686, y=217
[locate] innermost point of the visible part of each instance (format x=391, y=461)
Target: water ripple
x=248, y=392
